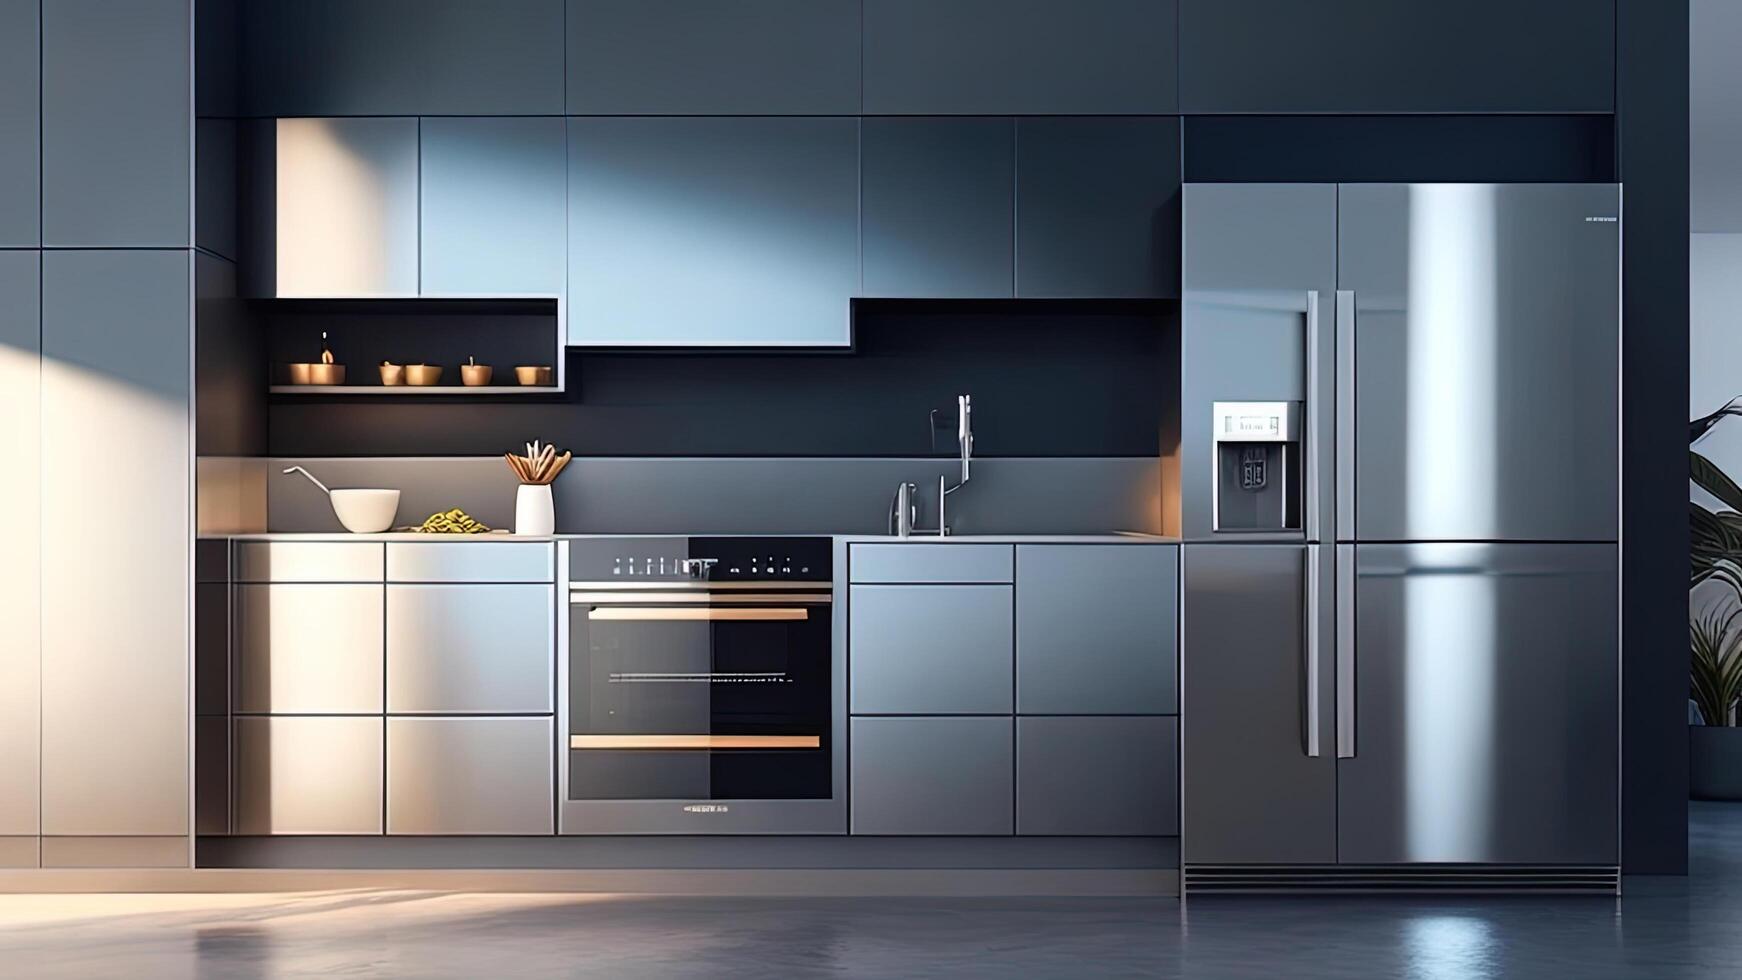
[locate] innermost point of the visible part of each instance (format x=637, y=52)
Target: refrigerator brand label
x=1603, y=219
x=707, y=808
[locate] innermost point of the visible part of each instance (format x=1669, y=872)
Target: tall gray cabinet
x=115, y=332
x=95, y=362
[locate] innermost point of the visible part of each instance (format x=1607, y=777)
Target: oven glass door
x=699, y=701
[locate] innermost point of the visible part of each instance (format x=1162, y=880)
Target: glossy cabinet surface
x=20, y=565
x=938, y=207
x=1092, y=57
x=930, y=649
x=1484, y=727
x=1487, y=328
x=1251, y=791
x=932, y=776
x=115, y=645
x=308, y=649
x=712, y=232
x=1097, y=207
x=1254, y=56
x=403, y=57
x=117, y=123
x=309, y=775
x=1095, y=629
x=345, y=208
x=20, y=124
x=1094, y=777
x=1255, y=254
x=491, y=206
x=484, y=649
x=918, y=563
x=456, y=561
x=308, y=561
x=470, y=776
x=702, y=57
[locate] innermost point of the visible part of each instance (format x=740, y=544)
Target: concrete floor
x=1663, y=929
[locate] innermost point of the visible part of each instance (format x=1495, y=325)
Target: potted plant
x=1715, y=630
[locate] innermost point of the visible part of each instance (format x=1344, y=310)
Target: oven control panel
x=718, y=559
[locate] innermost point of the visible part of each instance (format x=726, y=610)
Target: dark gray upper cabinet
x=1387, y=56
x=20, y=104
x=117, y=118
x=705, y=57
x=1096, y=629
x=491, y=205
x=403, y=57
x=712, y=232
x=938, y=207
x=1097, y=208
x=983, y=57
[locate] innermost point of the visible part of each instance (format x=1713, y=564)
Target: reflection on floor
x=1663, y=929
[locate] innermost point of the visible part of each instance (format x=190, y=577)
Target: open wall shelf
x=501, y=331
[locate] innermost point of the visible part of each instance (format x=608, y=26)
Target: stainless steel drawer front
x=470, y=561
x=483, y=649
x=470, y=776
x=308, y=561
x=308, y=775
x=932, y=776
x=935, y=562
x=309, y=649
x=1084, y=777
x=931, y=649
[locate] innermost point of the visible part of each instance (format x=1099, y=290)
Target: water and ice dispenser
x=1258, y=466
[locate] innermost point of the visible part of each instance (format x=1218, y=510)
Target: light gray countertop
x=1121, y=537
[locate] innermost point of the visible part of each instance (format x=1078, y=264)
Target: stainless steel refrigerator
x=1399, y=447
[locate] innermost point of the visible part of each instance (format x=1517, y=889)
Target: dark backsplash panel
x=1049, y=378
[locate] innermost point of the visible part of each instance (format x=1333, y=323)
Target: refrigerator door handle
x=1345, y=651
x=1311, y=435
x=1345, y=484
x=1310, y=689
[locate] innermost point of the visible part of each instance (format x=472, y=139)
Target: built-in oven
x=703, y=687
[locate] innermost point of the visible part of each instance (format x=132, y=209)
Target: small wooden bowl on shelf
x=317, y=374
x=535, y=375
x=475, y=375
x=423, y=375
x=392, y=375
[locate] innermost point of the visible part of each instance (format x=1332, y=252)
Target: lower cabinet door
x=470, y=649
x=470, y=776
x=308, y=776
x=932, y=776
x=1097, y=777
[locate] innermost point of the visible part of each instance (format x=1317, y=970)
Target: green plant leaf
x=1708, y=477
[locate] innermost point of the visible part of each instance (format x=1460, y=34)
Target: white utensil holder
x=534, y=510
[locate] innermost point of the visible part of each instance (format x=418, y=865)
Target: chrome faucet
x=902, y=511
x=965, y=443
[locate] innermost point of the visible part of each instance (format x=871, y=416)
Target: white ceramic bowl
x=365, y=511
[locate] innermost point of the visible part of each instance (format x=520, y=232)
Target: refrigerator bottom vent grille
x=1254, y=879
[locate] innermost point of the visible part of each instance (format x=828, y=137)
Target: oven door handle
x=696, y=613
x=582, y=598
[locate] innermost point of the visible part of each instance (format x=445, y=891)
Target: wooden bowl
x=392, y=375
x=534, y=374
x=299, y=373
x=423, y=375
x=326, y=374
x=475, y=375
